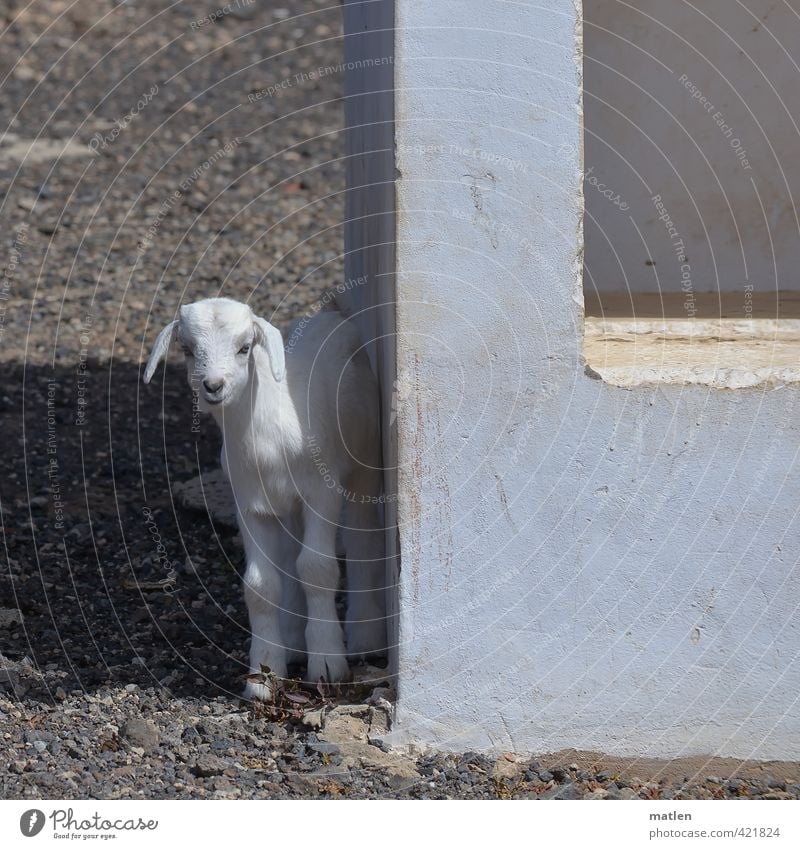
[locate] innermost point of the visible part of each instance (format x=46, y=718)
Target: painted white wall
x=699, y=103
x=582, y=565
x=367, y=293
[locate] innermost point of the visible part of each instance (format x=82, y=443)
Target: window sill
x=723, y=353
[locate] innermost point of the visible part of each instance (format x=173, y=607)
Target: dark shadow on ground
x=94, y=548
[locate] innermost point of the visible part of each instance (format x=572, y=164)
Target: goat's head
x=220, y=339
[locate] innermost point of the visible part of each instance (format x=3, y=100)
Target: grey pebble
x=564, y=791
x=324, y=748
x=140, y=732
x=208, y=765
x=627, y=793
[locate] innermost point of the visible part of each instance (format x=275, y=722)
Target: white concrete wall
x=367, y=293
x=700, y=103
x=582, y=565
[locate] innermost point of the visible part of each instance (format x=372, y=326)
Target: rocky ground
x=117, y=741
x=150, y=155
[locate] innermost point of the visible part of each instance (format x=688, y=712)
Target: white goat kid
x=301, y=440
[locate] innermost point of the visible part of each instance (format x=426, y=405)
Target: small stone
x=278, y=731
x=222, y=785
x=141, y=733
x=190, y=734
x=73, y=749
x=208, y=765
x=380, y=695
x=627, y=793
x=40, y=746
x=10, y=615
x=398, y=781
x=313, y=718
x=324, y=748
x=567, y=791
x=545, y=775
x=506, y=768
x=9, y=677
x=597, y=794
x=34, y=736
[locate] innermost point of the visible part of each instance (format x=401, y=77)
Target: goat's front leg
x=318, y=571
x=264, y=545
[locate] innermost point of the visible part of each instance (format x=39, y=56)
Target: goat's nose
x=213, y=385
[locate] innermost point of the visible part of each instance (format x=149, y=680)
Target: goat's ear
x=270, y=337
x=160, y=349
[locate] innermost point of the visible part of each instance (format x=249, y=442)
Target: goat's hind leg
x=363, y=534
x=265, y=545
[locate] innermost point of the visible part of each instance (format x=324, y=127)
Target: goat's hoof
x=257, y=691
x=332, y=668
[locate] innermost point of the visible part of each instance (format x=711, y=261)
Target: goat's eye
x=188, y=351
x=245, y=349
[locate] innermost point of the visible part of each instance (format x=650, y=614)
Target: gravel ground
x=152, y=156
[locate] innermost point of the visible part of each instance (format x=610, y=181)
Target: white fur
x=301, y=440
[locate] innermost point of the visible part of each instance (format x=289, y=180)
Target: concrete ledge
x=723, y=353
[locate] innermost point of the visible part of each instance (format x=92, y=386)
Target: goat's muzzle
x=213, y=388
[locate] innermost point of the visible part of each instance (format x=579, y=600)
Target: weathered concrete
x=583, y=565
